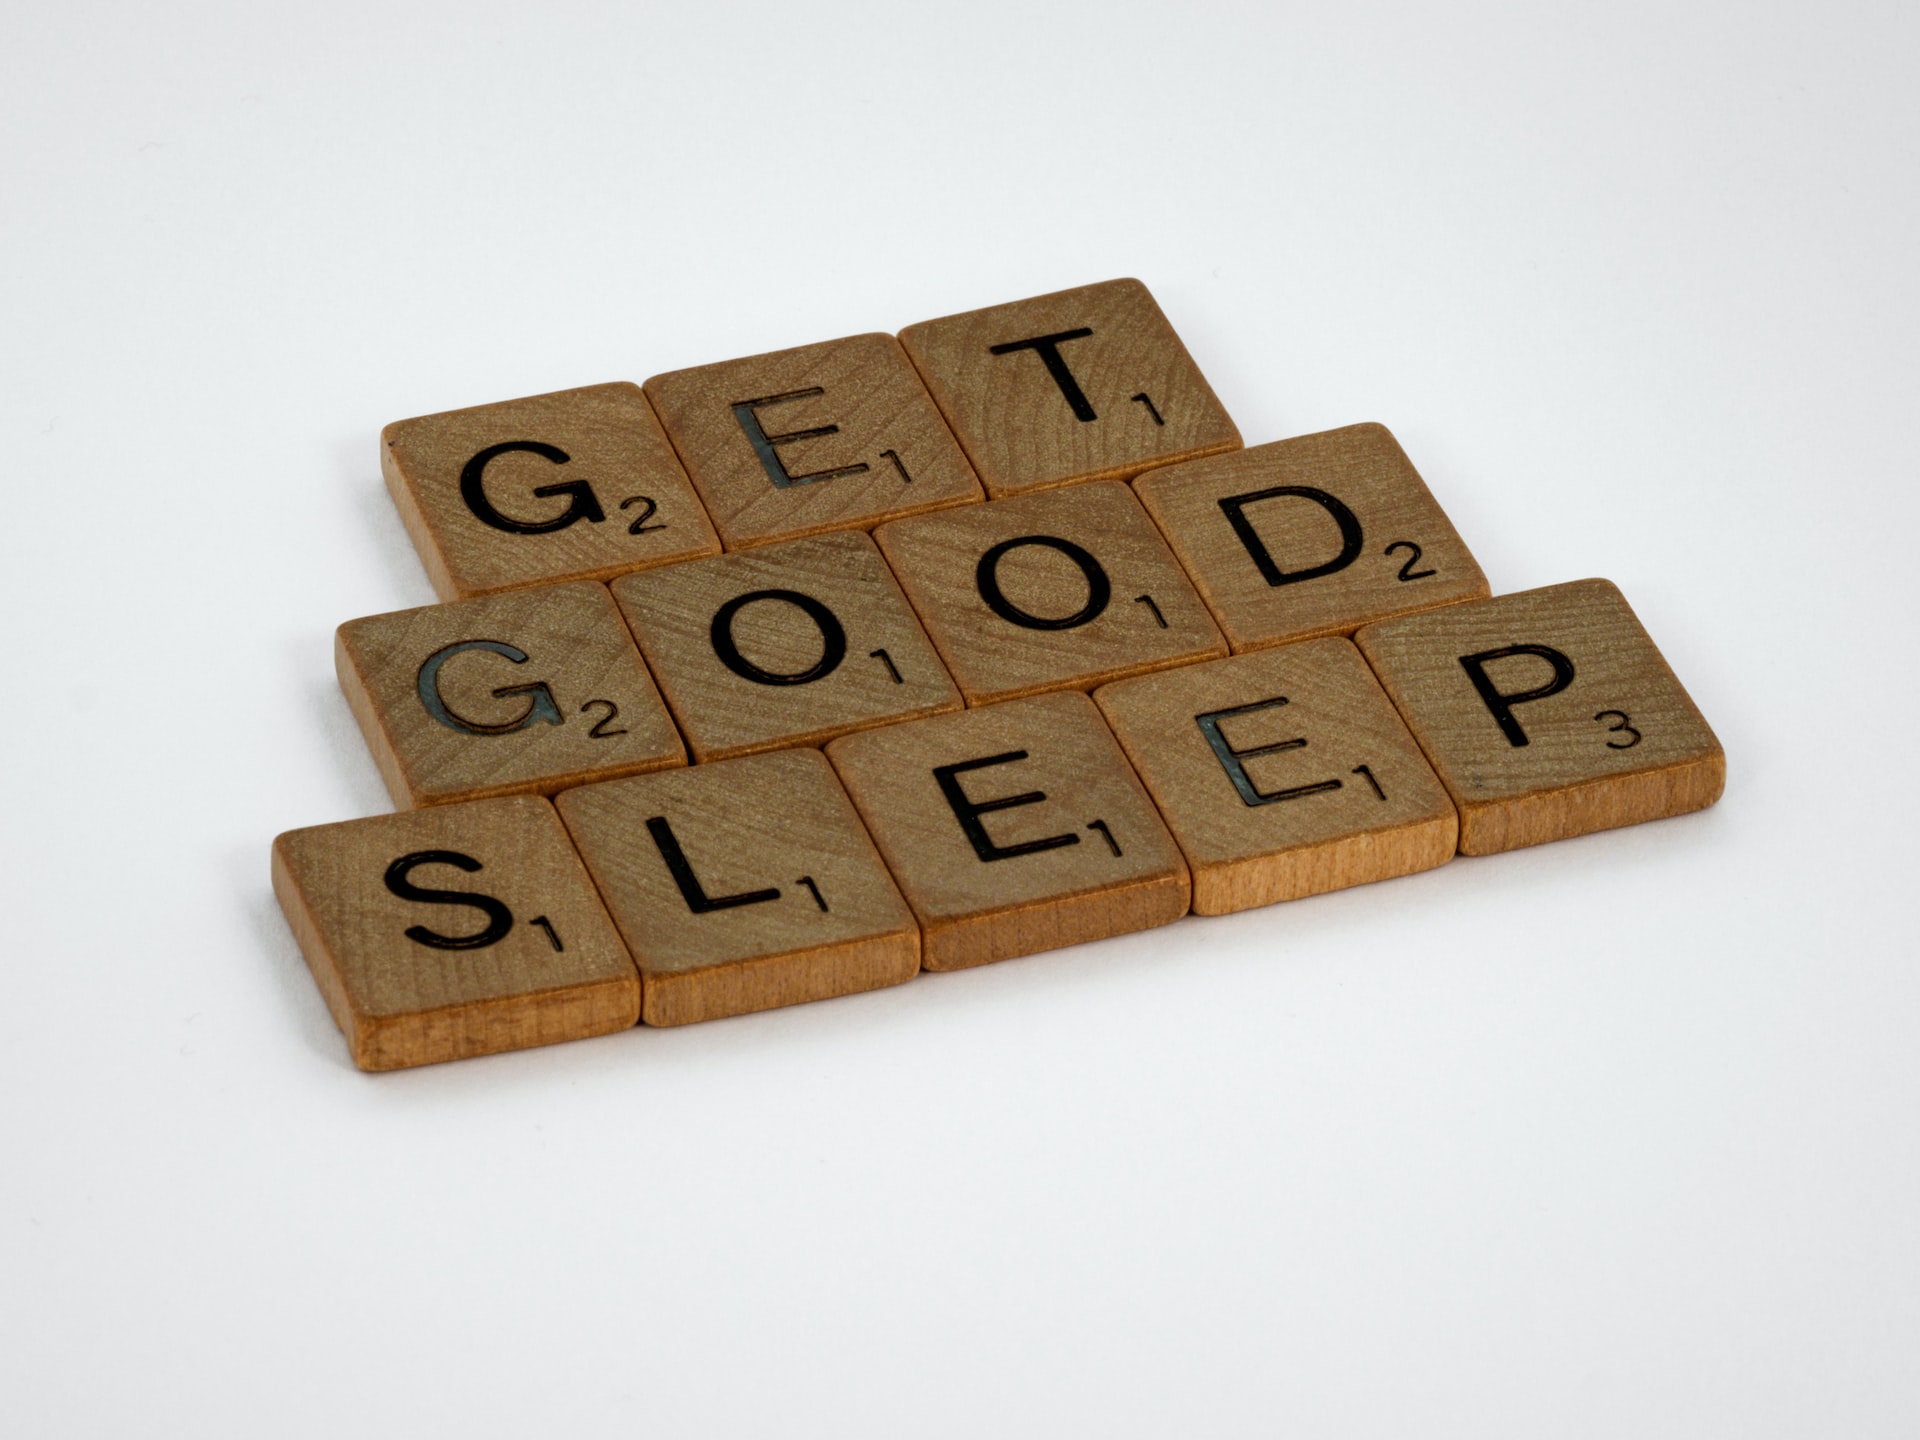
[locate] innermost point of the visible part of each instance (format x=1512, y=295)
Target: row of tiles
x=1085, y=384
x=796, y=642
x=963, y=838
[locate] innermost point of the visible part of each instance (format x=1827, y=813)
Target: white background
x=1616, y=1137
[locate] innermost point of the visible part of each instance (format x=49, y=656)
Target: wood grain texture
x=617, y=461
x=1037, y=872
x=1255, y=765
x=1108, y=392
x=1366, y=542
x=780, y=897
x=577, y=706
x=403, y=1001
x=851, y=413
x=823, y=643
x=1593, y=733
x=1040, y=616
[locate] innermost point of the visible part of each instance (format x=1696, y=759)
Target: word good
x=793, y=676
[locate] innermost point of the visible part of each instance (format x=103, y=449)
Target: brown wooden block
x=454, y=931
x=1086, y=384
x=788, y=644
x=743, y=885
x=527, y=692
x=1013, y=828
x=1282, y=774
x=1064, y=590
x=1317, y=535
x=576, y=485
x=835, y=436
x=1547, y=714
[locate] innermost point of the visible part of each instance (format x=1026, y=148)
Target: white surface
x=1614, y=1137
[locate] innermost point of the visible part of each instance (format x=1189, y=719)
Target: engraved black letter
x=1233, y=761
x=1235, y=507
x=986, y=577
x=1048, y=348
x=1501, y=706
x=968, y=812
x=767, y=447
x=585, y=504
x=540, y=703
x=499, y=918
x=833, y=639
x=690, y=888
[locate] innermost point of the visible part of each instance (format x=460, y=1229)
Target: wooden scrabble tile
x=787, y=644
x=454, y=931
x=525, y=692
x=1086, y=384
x=1013, y=828
x=576, y=485
x=1546, y=714
x=835, y=436
x=743, y=885
x=1063, y=590
x=1282, y=774
x=1313, y=536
